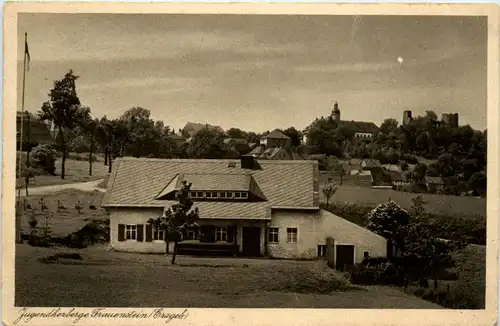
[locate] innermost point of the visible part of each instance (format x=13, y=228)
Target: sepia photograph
x=225, y=160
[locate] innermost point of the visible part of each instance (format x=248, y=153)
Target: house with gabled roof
x=246, y=207
x=276, y=138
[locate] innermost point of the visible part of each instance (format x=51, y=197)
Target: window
x=131, y=232
x=222, y=195
x=220, y=234
x=321, y=250
x=291, y=235
x=273, y=235
x=199, y=194
x=193, y=194
x=208, y=195
x=229, y=195
x=158, y=235
x=237, y=195
x=244, y=195
x=366, y=254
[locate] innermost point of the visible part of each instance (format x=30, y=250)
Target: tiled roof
x=434, y=180
x=38, y=131
x=360, y=126
x=372, y=163
x=135, y=182
x=277, y=134
x=396, y=176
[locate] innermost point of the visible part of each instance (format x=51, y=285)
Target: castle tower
x=336, y=112
x=407, y=117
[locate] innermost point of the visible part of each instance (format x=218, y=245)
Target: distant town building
x=407, y=118
x=35, y=132
x=362, y=129
x=276, y=139
x=450, y=119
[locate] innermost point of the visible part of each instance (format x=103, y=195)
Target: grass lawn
x=76, y=171
x=450, y=205
x=113, y=279
x=65, y=220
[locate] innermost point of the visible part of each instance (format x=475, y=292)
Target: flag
x=27, y=54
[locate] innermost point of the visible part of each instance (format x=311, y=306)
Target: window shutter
x=149, y=232
x=140, y=232
x=230, y=234
x=121, y=232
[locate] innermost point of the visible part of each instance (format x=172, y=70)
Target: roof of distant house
x=276, y=134
x=396, y=176
x=355, y=161
x=136, y=182
x=371, y=163
x=38, y=130
x=434, y=180
x=360, y=126
x=191, y=128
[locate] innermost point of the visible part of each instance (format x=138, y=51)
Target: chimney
x=247, y=162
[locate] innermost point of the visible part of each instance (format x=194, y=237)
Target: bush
x=43, y=157
x=411, y=159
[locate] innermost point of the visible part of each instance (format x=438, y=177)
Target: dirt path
x=84, y=186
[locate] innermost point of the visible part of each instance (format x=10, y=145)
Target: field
x=112, y=279
x=76, y=171
x=451, y=205
x=63, y=221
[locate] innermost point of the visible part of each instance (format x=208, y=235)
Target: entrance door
x=251, y=241
x=344, y=257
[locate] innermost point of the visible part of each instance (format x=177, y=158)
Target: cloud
x=168, y=83
x=354, y=67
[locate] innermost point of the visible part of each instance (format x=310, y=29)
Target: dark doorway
x=251, y=241
x=344, y=257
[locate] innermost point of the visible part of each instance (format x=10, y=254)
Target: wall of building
x=312, y=230
x=345, y=232
x=278, y=142
x=142, y=215
x=363, y=135
x=313, y=227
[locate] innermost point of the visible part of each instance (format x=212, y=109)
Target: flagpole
x=21, y=137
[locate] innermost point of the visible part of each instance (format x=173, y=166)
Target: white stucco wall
x=345, y=232
x=313, y=227
x=312, y=230
x=142, y=215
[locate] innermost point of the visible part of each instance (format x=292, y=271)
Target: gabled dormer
x=215, y=187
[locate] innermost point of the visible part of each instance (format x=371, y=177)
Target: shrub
x=43, y=157
x=411, y=159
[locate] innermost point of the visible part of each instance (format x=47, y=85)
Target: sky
x=259, y=73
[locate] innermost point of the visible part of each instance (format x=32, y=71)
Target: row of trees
x=134, y=133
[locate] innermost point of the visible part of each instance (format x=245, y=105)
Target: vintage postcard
x=261, y=164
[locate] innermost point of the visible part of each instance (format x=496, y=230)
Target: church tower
x=336, y=112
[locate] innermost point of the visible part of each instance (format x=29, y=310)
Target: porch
x=225, y=238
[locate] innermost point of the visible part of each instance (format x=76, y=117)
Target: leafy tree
x=477, y=182
x=429, y=254
x=178, y=218
x=43, y=158
x=207, y=144
x=388, y=126
x=418, y=172
x=329, y=190
x=294, y=135
x=142, y=131
x=236, y=133
x=389, y=220
x=63, y=110
x=252, y=137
